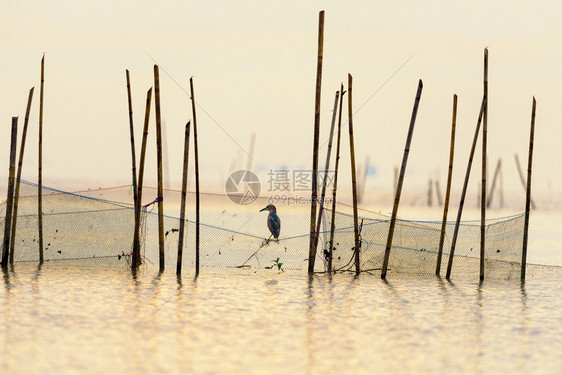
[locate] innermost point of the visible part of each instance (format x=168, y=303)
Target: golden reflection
x=7, y=278
x=309, y=324
x=393, y=294
x=7, y=330
x=478, y=326
x=524, y=334
x=35, y=299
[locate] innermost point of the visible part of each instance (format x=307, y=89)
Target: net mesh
x=96, y=227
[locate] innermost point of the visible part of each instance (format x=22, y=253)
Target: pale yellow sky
x=254, y=66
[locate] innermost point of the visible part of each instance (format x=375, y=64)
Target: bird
x=273, y=222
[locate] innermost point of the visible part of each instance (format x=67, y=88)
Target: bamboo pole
x=40, y=165
x=136, y=255
x=528, y=195
x=136, y=240
x=357, y=247
x=501, y=188
x=401, y=181
x=493, y=187
x=395, y=179
x=430, y=193
x=464, y=188
x=484, y=171
x=10, y=194
x=250, y=159
x=364, y=179
x=197, y=201
x=326, y=167
x=448, y=188
x=334, y=190
x=159, y=165
x=17, y=182
x=438, y=192
x=523, y=182
x=314, y=192
x=183, y=199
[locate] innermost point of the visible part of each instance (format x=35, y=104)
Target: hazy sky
x=254, y=66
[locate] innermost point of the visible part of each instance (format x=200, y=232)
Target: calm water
x=69, y=320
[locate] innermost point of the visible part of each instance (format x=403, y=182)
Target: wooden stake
x=40, y=165
x=136, y=255
x=183, y=198
x=448, y=189
x=10, y=196
x=430, y=193
x=17, y=182
x=528, y=196
x=334, y=191
x=357, y=247
x=464, y=188
x=314, y=192
x=326, y=167
x=523, y=182
x=364, y=179
x=250, y=159
x=501, y=187
x=136, y=240
x=438, y=192
x=197, y=201
x=401, y=181
x=395, y=179
x=484, y=171
x=493, y=187
x=159, y=164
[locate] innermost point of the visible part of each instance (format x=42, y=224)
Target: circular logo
x=243, y=187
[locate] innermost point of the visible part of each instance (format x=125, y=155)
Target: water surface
x=75, y=319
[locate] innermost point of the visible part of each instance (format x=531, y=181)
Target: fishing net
x=96, y=227
x=415, y=246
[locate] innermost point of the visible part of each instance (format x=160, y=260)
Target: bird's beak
x=263, y=209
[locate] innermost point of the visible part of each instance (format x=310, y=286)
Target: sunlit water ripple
x=69, y=320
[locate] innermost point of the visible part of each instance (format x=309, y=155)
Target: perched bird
x=273, y=221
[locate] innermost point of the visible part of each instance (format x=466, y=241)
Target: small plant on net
x=278, y=264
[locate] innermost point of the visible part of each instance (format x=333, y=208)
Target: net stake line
x=159, y=166
x=528, y=194
x=463, y=194
x=18, y=176
x=136, y=241
x=10, y=193
x=197, y=199
x=183, y=198
x=136, y=255
x=353, y=173
x=315, y=145
x=484, y=171
x=40, y=164
x=334, y=192
x=401, y=180
x=448, y=188
x=326, y=167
